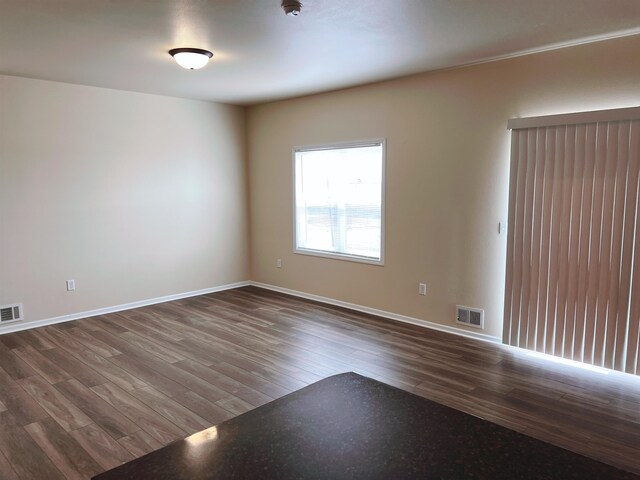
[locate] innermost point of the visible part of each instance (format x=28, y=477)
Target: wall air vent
x=11, y=313
x=474, y=317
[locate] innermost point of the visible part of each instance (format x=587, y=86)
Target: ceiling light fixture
x=191, y=58
x=291, y=7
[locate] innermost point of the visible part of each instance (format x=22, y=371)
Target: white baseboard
x=17, y=326
x=381, y=313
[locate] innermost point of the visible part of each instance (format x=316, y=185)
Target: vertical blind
x=573, y=251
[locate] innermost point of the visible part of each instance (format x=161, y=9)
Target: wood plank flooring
x=81, y=397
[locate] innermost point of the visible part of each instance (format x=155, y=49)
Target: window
x=339, y=201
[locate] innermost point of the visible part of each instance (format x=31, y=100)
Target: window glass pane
x=339, y=200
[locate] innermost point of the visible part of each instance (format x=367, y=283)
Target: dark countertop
x=352, y=427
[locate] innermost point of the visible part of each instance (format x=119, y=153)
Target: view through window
x=339, y=196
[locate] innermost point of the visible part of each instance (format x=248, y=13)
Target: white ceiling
x=263, y=55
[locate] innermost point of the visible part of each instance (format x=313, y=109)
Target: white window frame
x=334, y=255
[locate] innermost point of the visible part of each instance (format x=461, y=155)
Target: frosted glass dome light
x=191, y=58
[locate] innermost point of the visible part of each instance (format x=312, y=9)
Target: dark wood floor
x=82, y=397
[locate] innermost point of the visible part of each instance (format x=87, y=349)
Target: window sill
x=338, y=256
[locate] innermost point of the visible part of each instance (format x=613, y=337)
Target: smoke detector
x=291, y=7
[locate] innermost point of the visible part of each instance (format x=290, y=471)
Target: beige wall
x=134, y=196
x=447, y=174
x=139, y=196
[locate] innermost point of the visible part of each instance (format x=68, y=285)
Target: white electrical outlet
x=422, y=289
x=71, y=285
x=279, y=263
